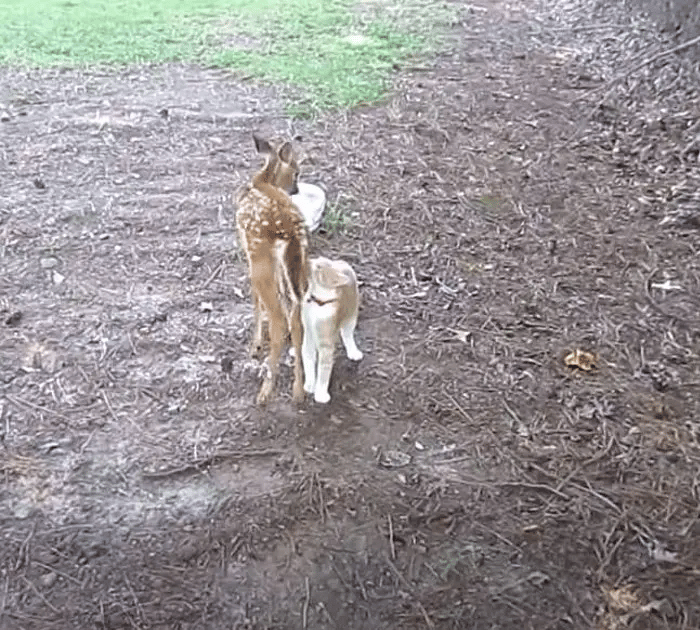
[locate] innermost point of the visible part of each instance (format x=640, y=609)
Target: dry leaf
x=581, y=359
x=623, y=599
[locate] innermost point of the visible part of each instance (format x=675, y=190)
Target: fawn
x=274, y=237
x=330, y=309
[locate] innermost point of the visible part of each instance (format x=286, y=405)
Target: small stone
x=49, y=262
x=206, y=307
x=48, y=580
x=58, y=278
x=394, y=459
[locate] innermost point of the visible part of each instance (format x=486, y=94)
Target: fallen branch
x=197, y=465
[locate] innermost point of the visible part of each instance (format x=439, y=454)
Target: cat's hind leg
x=347, y=334
x=308, y=356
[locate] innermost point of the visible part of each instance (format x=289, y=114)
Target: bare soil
x=531, y=193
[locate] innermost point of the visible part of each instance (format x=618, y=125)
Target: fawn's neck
x=266, y=177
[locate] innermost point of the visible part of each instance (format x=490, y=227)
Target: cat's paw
x=322, y=397
x=355, y=354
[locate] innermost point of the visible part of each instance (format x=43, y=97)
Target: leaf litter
x=531, y=192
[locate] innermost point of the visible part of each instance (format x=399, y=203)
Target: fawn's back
x=269, y=224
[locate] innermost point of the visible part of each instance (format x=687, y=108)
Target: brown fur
x=274, y=237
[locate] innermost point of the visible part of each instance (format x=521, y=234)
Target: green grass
x=337, y=53
x=337, y=218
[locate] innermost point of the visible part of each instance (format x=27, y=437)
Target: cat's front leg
x=323, y=377
x=308, y=358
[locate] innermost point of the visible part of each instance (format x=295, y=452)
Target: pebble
x=49, y=262
x=49, y=579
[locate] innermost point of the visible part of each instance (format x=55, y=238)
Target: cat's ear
x=331, y=277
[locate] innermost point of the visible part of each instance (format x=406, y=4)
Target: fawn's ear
x=286, y=153
x=261, y=145
x=331, y=277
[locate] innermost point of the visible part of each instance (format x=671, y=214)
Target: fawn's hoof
x=298, y=393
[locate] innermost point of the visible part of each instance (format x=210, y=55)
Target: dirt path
x=511, y=203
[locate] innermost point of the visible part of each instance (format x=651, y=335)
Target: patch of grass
x=335, y=53
x=336, y=57
x=337, y=218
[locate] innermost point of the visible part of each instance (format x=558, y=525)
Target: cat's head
x=331, y=274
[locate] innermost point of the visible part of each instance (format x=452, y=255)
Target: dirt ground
x=530, y=194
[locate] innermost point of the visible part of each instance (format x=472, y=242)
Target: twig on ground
x=219, y=268
x=360, y=584
x=458, y=406
x=114, y=415
x=18, y=402
x=197, y=465
x=398, y=574
x=40, y=594
x=4, y=597
x=57, y=572
x=496, y=484
x=23, y=552
x=137, y=603
x=580, y=487
x=336, y=570
x=305, y=607
x=391, y=537
x=322, y=503
x=407, y=585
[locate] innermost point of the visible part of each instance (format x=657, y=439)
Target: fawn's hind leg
x=259, y=320
x=263, y=283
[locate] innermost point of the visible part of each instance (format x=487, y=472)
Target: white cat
x=329, y=309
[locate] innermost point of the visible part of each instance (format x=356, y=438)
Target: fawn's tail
x=296, y=262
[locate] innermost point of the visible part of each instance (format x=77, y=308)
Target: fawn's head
x=281, y=168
